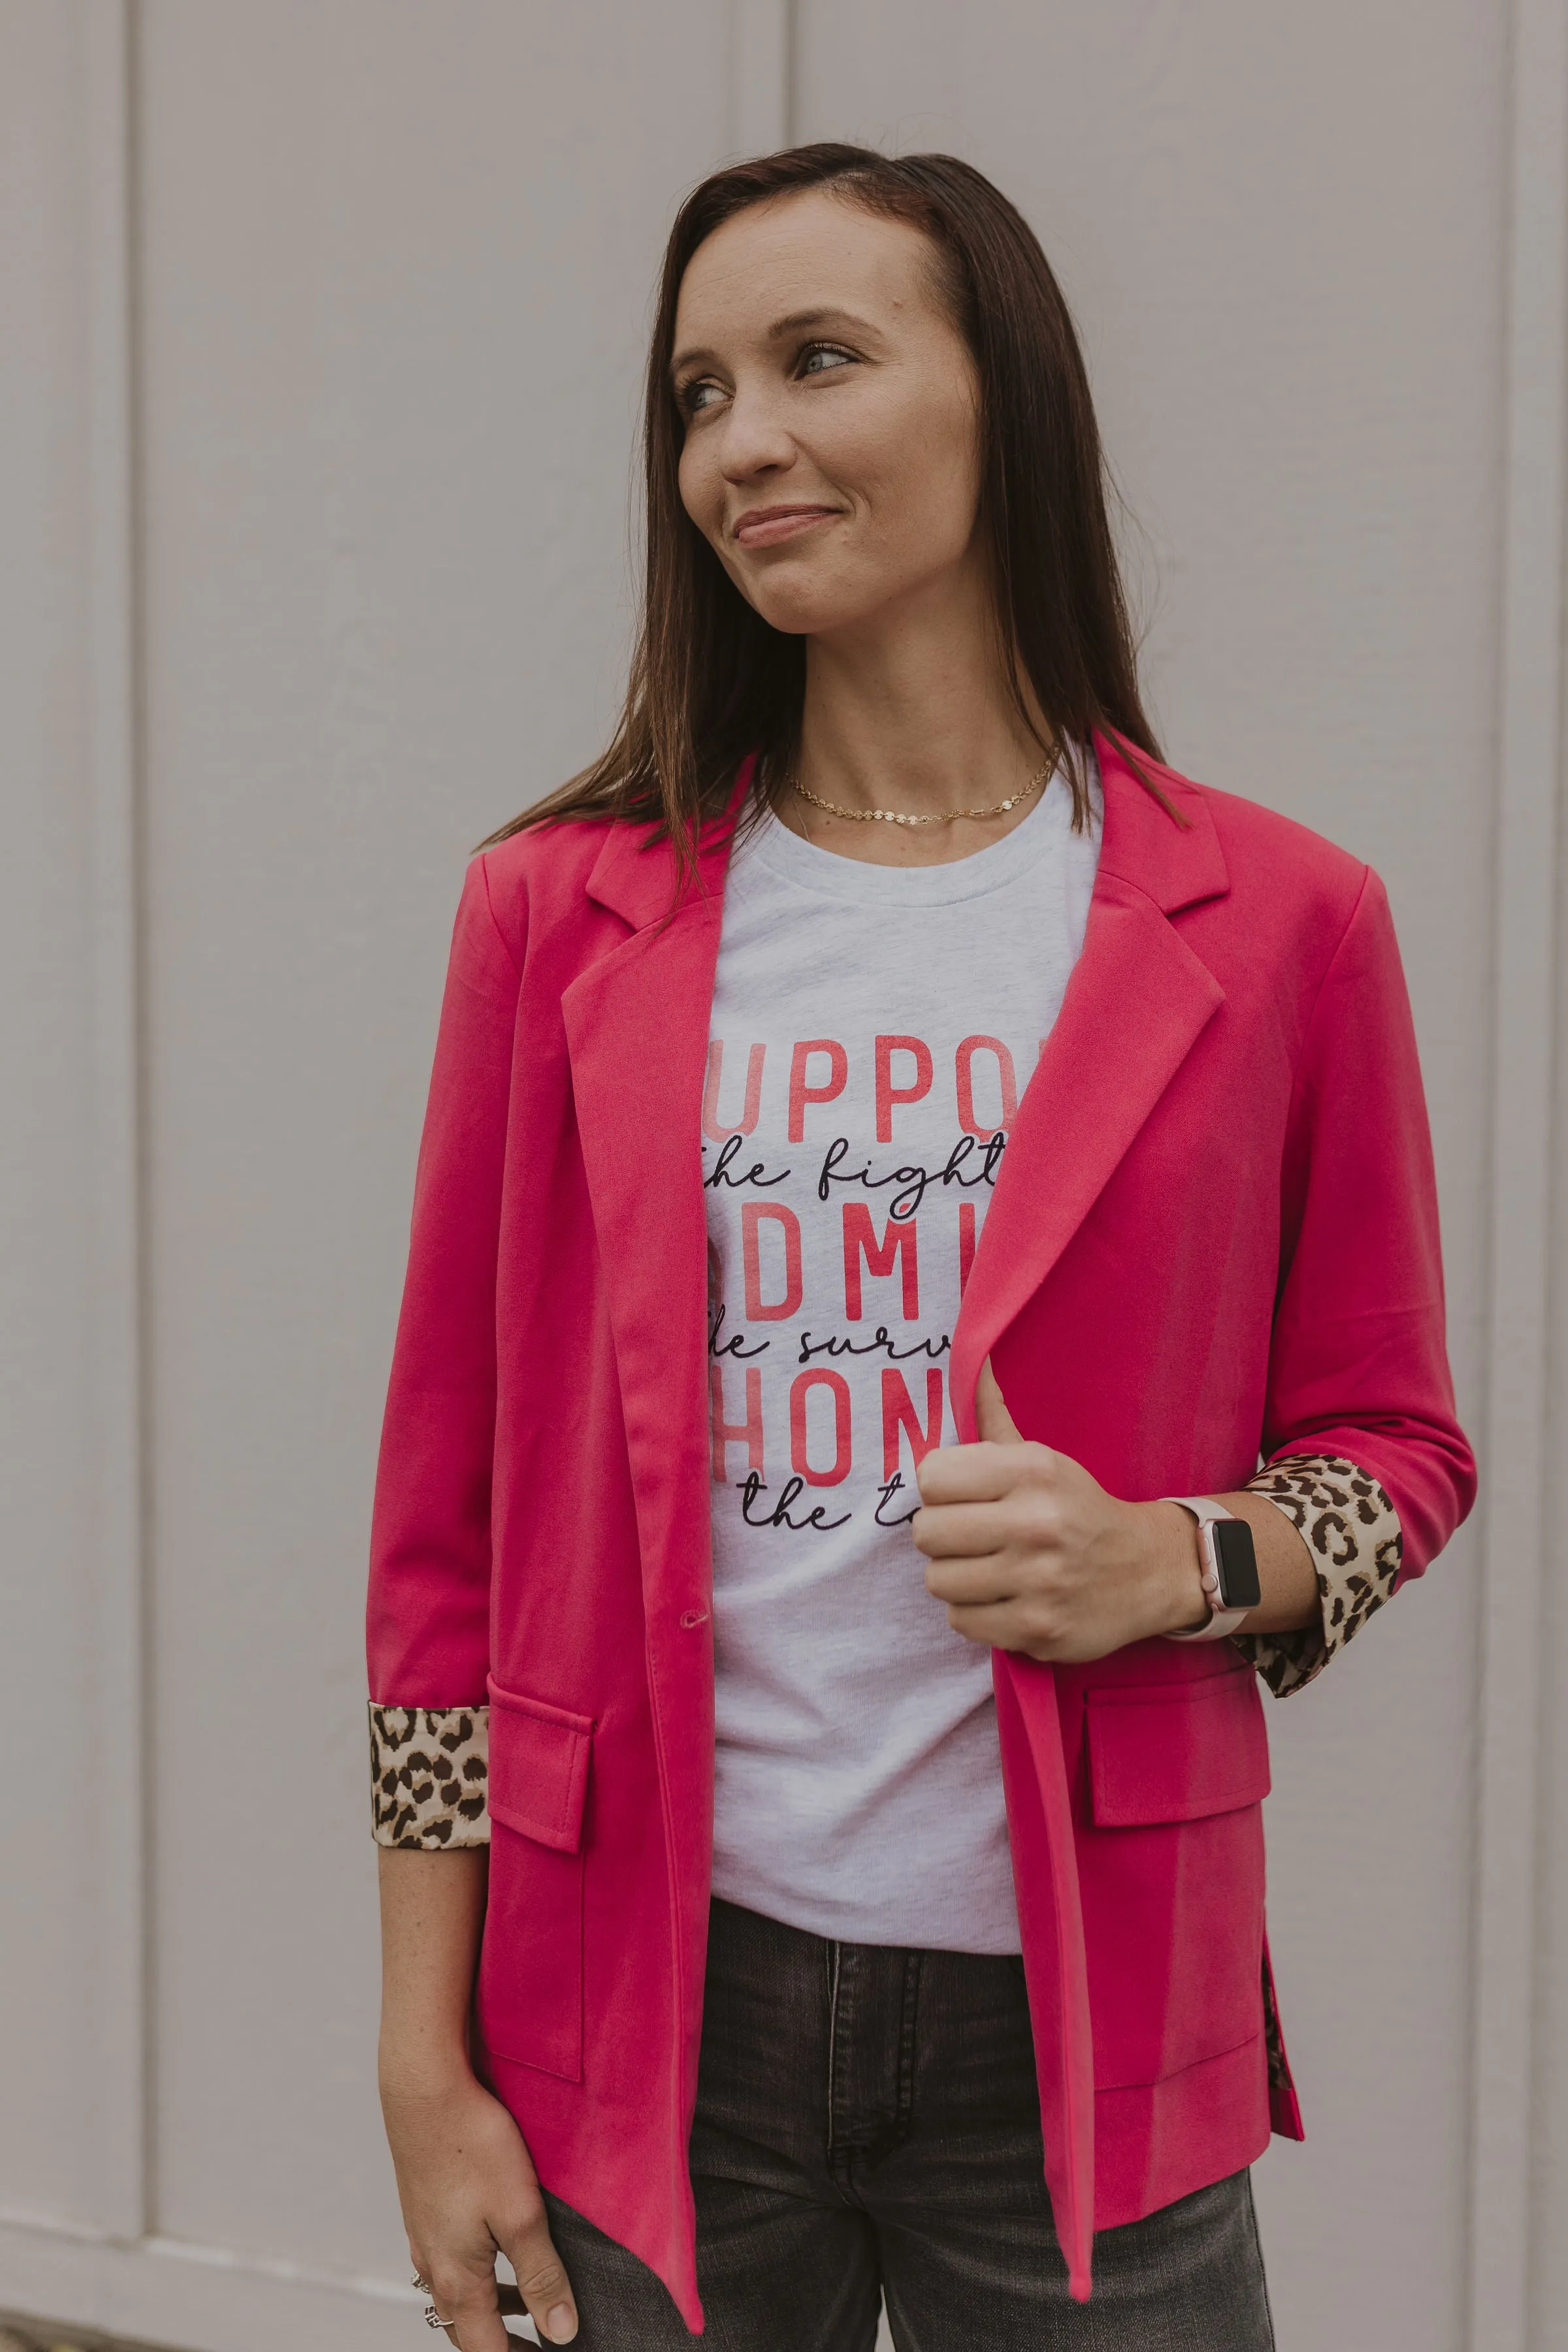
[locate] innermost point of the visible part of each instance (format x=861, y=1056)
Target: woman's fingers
x=465, y=2299
x=966, y=1580
x=995, y=1624
x=949, y=1529
x=978, y=1473
x=541, y=2279
x=468, y=2187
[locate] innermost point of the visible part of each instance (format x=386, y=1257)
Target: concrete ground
x=42, y=2335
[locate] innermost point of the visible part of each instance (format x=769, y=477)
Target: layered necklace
x=940, y=816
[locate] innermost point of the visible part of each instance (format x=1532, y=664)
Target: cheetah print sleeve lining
x=429, y=1767
x=1352, y=1531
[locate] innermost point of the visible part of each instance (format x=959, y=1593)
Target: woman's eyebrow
x=826, y=316
x=794, y=323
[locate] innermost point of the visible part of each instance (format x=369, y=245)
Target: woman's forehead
x=785, y=265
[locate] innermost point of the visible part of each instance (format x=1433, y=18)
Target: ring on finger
x=433, y=2319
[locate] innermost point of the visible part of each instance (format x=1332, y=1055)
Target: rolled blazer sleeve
x=428, y=1612
x=1359, y=1381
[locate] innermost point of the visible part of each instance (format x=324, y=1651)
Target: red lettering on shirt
x=753, y=1215
x=710, y=1125
x=965, y=1075
x=898, y=1413
x=898, y=1241
x=800, y=1093
x=747, y=1433
x=965, y=1243
x=799, y=1390
x=887, y=1093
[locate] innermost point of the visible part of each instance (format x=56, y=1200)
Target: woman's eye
x=819, y=357
x=694, y=397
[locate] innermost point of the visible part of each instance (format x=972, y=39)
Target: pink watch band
x=1223, y=1622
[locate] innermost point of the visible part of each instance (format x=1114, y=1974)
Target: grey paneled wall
x=388, y=269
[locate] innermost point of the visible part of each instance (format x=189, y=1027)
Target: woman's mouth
x=766, y=526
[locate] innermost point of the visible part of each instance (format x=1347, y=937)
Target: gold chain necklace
x=941, y=817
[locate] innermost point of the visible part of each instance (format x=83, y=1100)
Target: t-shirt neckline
x=784, y=856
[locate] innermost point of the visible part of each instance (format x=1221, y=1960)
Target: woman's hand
x=469, y=2191
x=1030, y=1553
x=468, y=2187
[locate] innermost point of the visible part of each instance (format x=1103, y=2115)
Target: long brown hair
x=711, y=681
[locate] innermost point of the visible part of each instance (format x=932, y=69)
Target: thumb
x=993, y=1421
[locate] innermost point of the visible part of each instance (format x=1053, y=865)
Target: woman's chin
x=796, y=611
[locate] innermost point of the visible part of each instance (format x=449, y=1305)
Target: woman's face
x=831, y=454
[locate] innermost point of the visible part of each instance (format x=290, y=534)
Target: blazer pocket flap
x=1175, y=1751
x=539, y=1768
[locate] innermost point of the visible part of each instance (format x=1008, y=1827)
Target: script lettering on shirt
x=736, y=1344
x=722, y=1170
x=881, y=1342
x=751, y=1487
x=885, y=1493
x=913, y=1181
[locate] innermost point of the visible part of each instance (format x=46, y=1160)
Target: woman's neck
x=912, y=712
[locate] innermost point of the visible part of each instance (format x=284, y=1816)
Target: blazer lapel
x=636, y=1033
x=1136, y=1003
x=1138, y=1000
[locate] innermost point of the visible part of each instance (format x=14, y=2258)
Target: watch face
x=1238, y=1564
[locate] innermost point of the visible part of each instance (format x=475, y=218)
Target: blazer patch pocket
x=1172, y=1872
x=1175, y=1751
x=531, y=1968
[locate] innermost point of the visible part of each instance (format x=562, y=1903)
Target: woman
x=865, y=1900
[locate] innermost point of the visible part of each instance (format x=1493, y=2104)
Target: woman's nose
x=754, y=438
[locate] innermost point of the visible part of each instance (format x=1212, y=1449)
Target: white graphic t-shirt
x=873, y=1030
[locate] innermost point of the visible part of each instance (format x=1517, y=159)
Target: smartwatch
x=1229, y=1567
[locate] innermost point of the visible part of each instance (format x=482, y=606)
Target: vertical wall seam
x=1514, y=1456
x=117, y=1465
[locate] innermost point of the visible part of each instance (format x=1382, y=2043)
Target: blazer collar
x=635, y=874
x=1175, y=862
x=1139, y=998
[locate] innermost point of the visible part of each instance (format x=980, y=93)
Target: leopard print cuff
x=1352, y=1531
x=428, y=1770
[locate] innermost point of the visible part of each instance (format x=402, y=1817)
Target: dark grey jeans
x=867, y=2126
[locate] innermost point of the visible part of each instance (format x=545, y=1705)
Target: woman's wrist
x=1181, y=1604
x=419, y=2071
x=1285, y=1574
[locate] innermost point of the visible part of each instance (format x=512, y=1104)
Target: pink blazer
x=1213, y=1234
